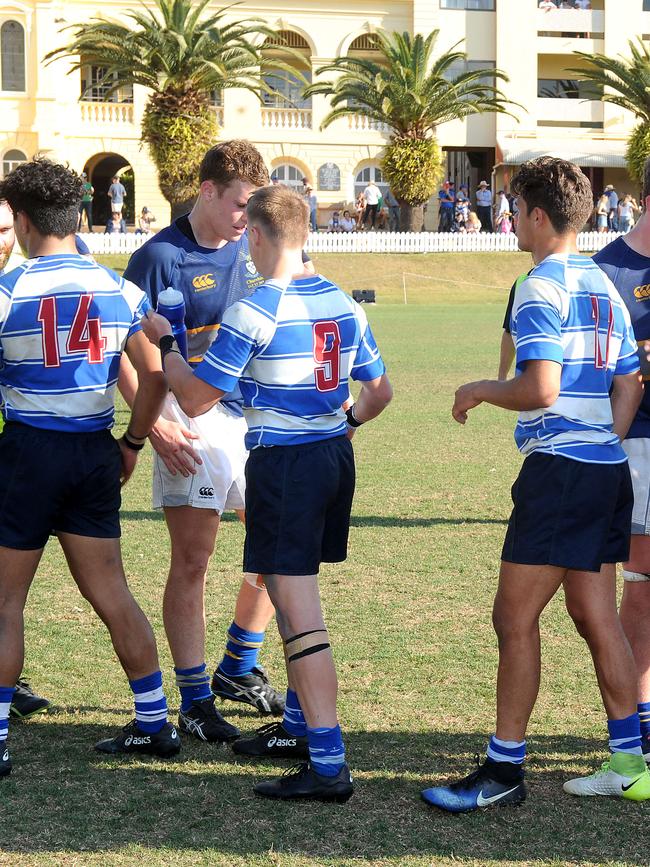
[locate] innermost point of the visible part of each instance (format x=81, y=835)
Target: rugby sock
x=150, y=702
x=625, y=735
x=644, y=718
x=506, y=751
x=242, y=648
x=326, y=750
x=194, y=685
x=6, y=696
x=294, y=719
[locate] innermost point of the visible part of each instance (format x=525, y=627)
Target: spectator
x=547, y=5
x=334, y=224
x=393, y=211
x=445, y=208
x=348, y=223
x=462, y=209
x=625, y=213
x=86, y=206
x=145, y=220
x=612, y=195
x=484, y=206
x=371, y=194
x=602, y=213
x=473, y=224
x=504, y=223
x=116, y=224
x=117, y=194
x=360, y=207
x=312, y=201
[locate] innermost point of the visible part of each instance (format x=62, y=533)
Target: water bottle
x=172, y=306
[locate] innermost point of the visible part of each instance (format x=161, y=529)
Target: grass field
x=409, y=616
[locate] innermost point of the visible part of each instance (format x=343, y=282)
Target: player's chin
x=236, y=233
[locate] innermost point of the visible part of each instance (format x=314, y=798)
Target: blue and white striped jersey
x=293, y=349
x=64, y=322
x=567, y=310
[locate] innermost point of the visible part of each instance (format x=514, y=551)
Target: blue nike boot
x=492, y=784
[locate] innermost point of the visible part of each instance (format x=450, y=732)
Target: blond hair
x=281, y=214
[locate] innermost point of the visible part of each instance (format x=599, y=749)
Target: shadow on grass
x=158, y=515
x=64, y=796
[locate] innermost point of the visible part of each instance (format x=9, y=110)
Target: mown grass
x=409, y=616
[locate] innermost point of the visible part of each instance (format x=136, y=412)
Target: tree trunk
x=411, y=217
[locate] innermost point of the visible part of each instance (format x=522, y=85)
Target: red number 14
x=85, y=335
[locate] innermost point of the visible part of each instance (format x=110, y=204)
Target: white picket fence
x=374, y=242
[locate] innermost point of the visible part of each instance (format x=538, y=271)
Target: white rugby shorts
x=219, y=481
x=638, y=453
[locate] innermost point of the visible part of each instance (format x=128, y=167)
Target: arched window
x=12, y=51
x=370, y=173
x=12, y=159
x=285, y=88
x=288, y=176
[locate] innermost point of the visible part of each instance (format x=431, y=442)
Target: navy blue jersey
x=629, y=271
x=210, y=280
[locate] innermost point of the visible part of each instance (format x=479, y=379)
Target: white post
x=404, y=285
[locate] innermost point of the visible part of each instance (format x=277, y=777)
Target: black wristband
x=167, y=344
x=135, y=447
x=352, y=421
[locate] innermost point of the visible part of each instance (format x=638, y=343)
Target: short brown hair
x=234, y=160
x=282, y=215
x=645, y=189
x=559, y=189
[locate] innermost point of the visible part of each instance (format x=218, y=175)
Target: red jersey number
x=85, y=334
x=601, y=360
x=327, y=355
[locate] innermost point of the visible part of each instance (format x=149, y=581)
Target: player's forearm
x=147, y=403
x=519, y=394
x=627, y=392
x=194, y=396
x=373, y=399
x=507, y=355
x=127, y=381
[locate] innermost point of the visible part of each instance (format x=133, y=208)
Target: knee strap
x=306, y=643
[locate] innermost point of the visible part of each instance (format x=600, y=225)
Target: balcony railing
x=583, y=21
x=106, y=112
x=570, y=110
x=361, y=123
x=286, y=118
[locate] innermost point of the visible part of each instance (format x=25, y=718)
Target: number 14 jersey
x=64, y=322
x=568, y=311
x=293, y=348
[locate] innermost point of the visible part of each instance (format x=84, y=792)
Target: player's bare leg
x=635, y=617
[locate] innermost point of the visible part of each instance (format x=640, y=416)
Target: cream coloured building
x=42, y=111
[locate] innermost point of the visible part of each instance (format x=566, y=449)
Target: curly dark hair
x=48, y=193
x=234, y=160
x=559, y=188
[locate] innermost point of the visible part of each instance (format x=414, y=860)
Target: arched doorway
x=101, y=168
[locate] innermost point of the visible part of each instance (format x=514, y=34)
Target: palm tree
x=625, y=82
x=413, y=95
x=182, y=56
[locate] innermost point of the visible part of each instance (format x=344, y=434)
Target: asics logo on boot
x=173, y=733
x=5, y=756
x=136, y=742
x=484, y=802
x=281, y=742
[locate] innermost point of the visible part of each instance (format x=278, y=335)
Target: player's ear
x=208, y=190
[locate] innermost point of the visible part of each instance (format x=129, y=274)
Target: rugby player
x=294, y=343
x=626, y=261
x=573, y=497
x=199, y=465
x=64, y=324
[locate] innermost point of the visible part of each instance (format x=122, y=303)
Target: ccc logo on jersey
x=204, y=281
x=642, y=293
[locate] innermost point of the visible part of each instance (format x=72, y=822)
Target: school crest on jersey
x=250, y=266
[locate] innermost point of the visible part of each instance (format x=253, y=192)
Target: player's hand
x=464, y=400
x=155, y=326
x=173, y=442
x=129, y=460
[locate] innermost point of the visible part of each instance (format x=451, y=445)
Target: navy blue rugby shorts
x=298, y=504
x=569, y=514
x=54, y=481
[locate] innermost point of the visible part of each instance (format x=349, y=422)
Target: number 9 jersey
x=293, y=349
x=64, y=322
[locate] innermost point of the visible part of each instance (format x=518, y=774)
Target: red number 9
x=327, y=355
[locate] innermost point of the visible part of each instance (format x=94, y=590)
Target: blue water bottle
x=172, y=306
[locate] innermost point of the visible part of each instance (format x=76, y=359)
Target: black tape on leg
x=308, y=651
x=305, y=643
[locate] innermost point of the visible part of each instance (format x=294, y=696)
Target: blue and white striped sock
x=644, y=718
x=193, y=684
x=294, y=719
x=326, y=750
x=625, y=735
x=6, y=697
x=242, y=648
x=150, y=702
x=506, y=751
